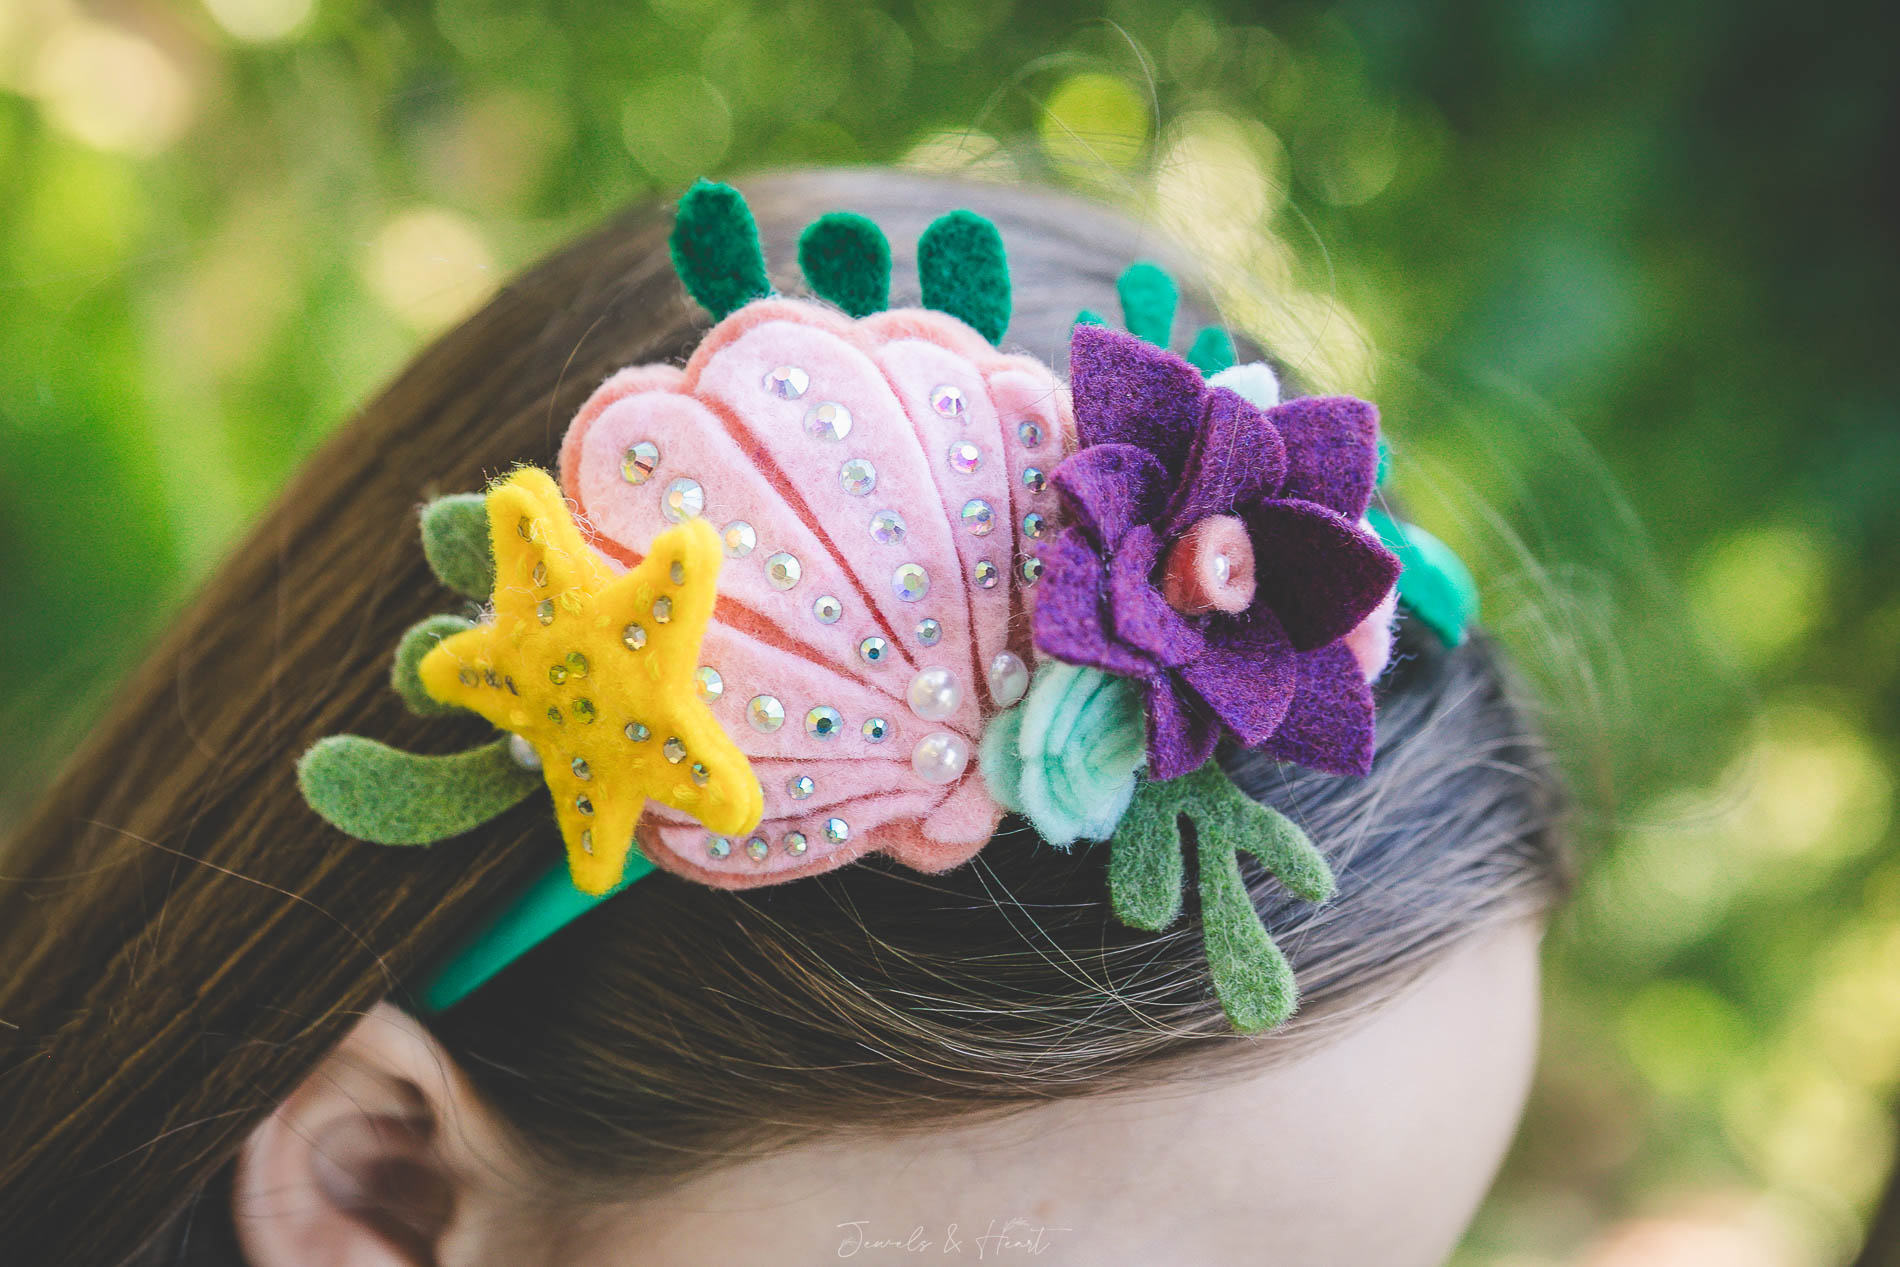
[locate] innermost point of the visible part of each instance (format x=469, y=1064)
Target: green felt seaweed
x=1087, y=317
x=847, y=259
x=1145, y=867
x=716, y=249
x=1212, y=351
x=455, y=541
x=1148, y=297
x=389, y=797
x=418, y=641
x=964, y=272
x=1434, y=583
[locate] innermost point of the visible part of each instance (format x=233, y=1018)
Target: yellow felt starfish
x=597, y=672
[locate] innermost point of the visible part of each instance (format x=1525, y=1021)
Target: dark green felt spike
x=1212, y=351
x=1144, y=861
x=418, y=641
x=964, y=272
x=1252, y=978
x=847, y=259
x=381, y=794
x=1148, y=297
x=455, y=541
x=1434, y=583
x=716, y=249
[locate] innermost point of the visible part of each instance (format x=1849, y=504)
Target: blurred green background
x=1621, y=276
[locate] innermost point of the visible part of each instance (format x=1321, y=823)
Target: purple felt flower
x=1215, y=551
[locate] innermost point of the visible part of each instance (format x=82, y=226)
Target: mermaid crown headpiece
x=855, y=581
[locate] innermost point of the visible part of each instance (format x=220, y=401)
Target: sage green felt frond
x=716, y=249
x=389, y=797
x=1148, y=297
x=1251, y=976
x=1434, y=583
x=964, y=272
x=847, y=259
x=455, y=541
x=1212, y=351
x=418, y=641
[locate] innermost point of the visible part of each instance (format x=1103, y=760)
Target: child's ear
x=367, y=1164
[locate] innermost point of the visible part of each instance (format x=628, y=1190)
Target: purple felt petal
x=1070, y=600
x=1332, y=451
x=1330, y=725
x=1320, y=573
x=1128, y=391
x=1137, y=613
x=1109, y=489
x=1237, y=458
x=1247, y=675
x=1181, y=732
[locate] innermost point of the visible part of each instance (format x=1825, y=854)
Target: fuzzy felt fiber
x=1434, y=583
x=1148, y=298
x=847, y=259
x=455, y=541
x=377, y=793
x=716, y=250
x=964, y=271
x=418, y=641
x=1066, y=757
x=1212, y=351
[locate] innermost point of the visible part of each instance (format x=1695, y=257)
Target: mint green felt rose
x=1066, y=757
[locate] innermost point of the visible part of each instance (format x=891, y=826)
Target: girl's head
x=209, y=1007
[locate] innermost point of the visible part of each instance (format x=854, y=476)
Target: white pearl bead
x=934, y=694
x=940, y=757
x=1223, y=568
x=1009, y=678
x=523, y=752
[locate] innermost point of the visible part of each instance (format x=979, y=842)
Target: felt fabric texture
x=417, y=641
x=716, y=251
x=1090, y=317
x=1434, y=583
x=455, y=541
x=1210, y=568
x=380, y=794
x=964, y=271
x=1212, y=352
x=757, y=462
x=1066, y=758
x=1255, y=382
x=1148, y=297
x=847, y=260
x=1164, y=452
x=554, y=665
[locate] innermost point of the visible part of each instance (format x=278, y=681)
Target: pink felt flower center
x=1210, y=568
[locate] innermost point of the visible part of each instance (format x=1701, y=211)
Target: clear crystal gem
x=887, y=527
x=828, y=421
x=978, y=517
x=873, y=650
x=857, y=477
x=636, y=466
x=787, y=382
x=910, y=582
x=1034, y=480
x=684, y=500
x=876, y=729
x=739, y=539
x=930, y=631
x=795, y=843
x=766, y=713
x=711, y=686
x=823, y=722
x=800, y=787
x=633, y=637
x=965, y=457
x=986, y=574
x=948, y=401
x=675, y=750
x=783, y=571
x=827, y=609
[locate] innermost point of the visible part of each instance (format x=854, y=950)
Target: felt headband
x=855, y=581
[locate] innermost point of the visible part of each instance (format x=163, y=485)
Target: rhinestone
x=827, y=609
x=1034, y=525
x=757, y=848
x=545, y=611
x=587, y=843
x=766, y=712
x=557, y=673
x=711, y=685
x=986, y=574
x=584, y=805
x=633, y=637
x=930, y=631
x=828, y=421
x=837, y=831
x=675, y=750
x=469, y=677
x=541, y=573
x=581, y=769
x=978, y=517
x=739, y=539
x=910, y=582
x=1009, y=678
x=823, y=722
x=1029, y=568
x=940, y=757
x=795, y=843
x=577, y=664
x=662, y=610
x=554, y=714
x=934, y=694
x=1030, y=434
x=584, y=711
x=489, y=676
x=718, y=846
x=526, y=528
x=637, y=466
x=799, y=787
x=874, y=650
x=783, y=571
x=677, y=573
x=523, y=752
x=637, y=732
x=684, y=500
x=887, y=527
x=965, y=457
x=1034, y=480
x=1223, y=568
x=876, y=729
x=787, y=382
x=858, y=477
x=948, y=401
x=701, y=775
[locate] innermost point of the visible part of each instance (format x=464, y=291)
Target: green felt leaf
x=964, y=272
x=1212, y=351
x=1252, y=978
x=847, y=259
x=418, y=641
x=381, y=794
x=1434, y=583
x=455, y=541
x=1148, y=297
x=716, y=249
x=1145, y=867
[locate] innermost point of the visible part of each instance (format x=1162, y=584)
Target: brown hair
x=184, y=939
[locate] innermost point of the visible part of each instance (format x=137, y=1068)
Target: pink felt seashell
x=868, y=476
